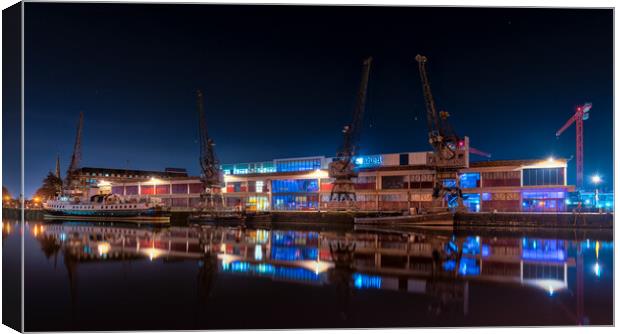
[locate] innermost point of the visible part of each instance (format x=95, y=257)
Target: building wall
x=385, y=182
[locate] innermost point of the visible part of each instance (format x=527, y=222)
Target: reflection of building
x=379, y=259
x=385, y=182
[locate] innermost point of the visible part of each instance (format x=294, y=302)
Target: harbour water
x=103, y=276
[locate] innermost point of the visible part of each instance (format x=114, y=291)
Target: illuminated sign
x=361, y=281
x=368, y=161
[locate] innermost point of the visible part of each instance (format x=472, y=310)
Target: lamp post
x=596, y=179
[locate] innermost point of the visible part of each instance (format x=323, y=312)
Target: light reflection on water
x=84, y=276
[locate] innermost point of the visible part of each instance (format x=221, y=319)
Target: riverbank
x=349, y=218
x=500, y=219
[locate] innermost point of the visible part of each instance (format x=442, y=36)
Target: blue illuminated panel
x=294, y=253
x=295, y=186
x=361, y=281
x=264, y=269
x=294, y=238
x=367, y=161
x=467, y=266
x=469, y=180
x=298, y=165
x=543, y=250
x=471, y=245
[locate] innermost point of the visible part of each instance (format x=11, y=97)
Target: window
x=131, y=190
x=179, y=188
x=295, y=186
x=404, y=159
x=543, y=176
x=147, y=190
x=162, y=189
x=469, y=180
x=393, y=182
x=195, y=188
x=298, y=165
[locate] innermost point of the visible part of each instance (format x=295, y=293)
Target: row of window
x=130, y=176
x=160, y=189
x=128, y=206
x=298, y=165
x=543, y=176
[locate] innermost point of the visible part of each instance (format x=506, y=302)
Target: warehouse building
x=397, y=181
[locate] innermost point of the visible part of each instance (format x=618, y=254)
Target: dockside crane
x=581, y=114
x=450, y=152
x=72, y=179
x=211, y=176
x=342, y=167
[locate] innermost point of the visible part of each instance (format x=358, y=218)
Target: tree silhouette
x=52, y=185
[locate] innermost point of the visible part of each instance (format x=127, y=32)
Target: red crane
x=581, y=114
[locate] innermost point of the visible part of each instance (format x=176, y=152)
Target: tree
x=52, y=186
x=5, y=193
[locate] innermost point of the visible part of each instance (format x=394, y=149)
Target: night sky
x=280, y=81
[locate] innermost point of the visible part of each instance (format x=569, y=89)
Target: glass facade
x=298, y=165
x=543, y=176
x=249, y=168
x=295, y=202
x=257, y=203
x=295, y=186
x=469, y=180
x=472, y=202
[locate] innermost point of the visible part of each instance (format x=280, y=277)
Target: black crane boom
x=342, y=169
x=211, y=177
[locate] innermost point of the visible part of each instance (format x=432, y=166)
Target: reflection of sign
x=368, y=161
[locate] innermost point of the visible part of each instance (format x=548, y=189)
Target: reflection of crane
x=581, y=114
x=342, y=168
x=75, y=157
x=450, y=151
x=211, y=177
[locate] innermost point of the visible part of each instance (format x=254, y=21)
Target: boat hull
x=148, y=215
x=138, y=219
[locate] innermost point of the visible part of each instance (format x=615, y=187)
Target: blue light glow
x=597, y=270
x=265, y=269
x=361, y=281
x=485, y=250
x=368, y=161
x=543, y=250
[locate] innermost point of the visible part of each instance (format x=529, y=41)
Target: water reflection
x=436, y=270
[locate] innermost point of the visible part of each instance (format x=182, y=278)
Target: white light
x=258, y=253
x=596, y=179
x=551, y=159
x=550, y=291
x=597, y=270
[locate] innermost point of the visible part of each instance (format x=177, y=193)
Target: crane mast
x=450, y=152
x=581, y=114
x=211, y=177
x=342, y=168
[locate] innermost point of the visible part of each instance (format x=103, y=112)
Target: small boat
x=107, y=207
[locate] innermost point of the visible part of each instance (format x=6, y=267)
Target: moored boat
x=107, y=207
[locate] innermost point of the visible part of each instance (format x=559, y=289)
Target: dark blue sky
x=280, y=81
